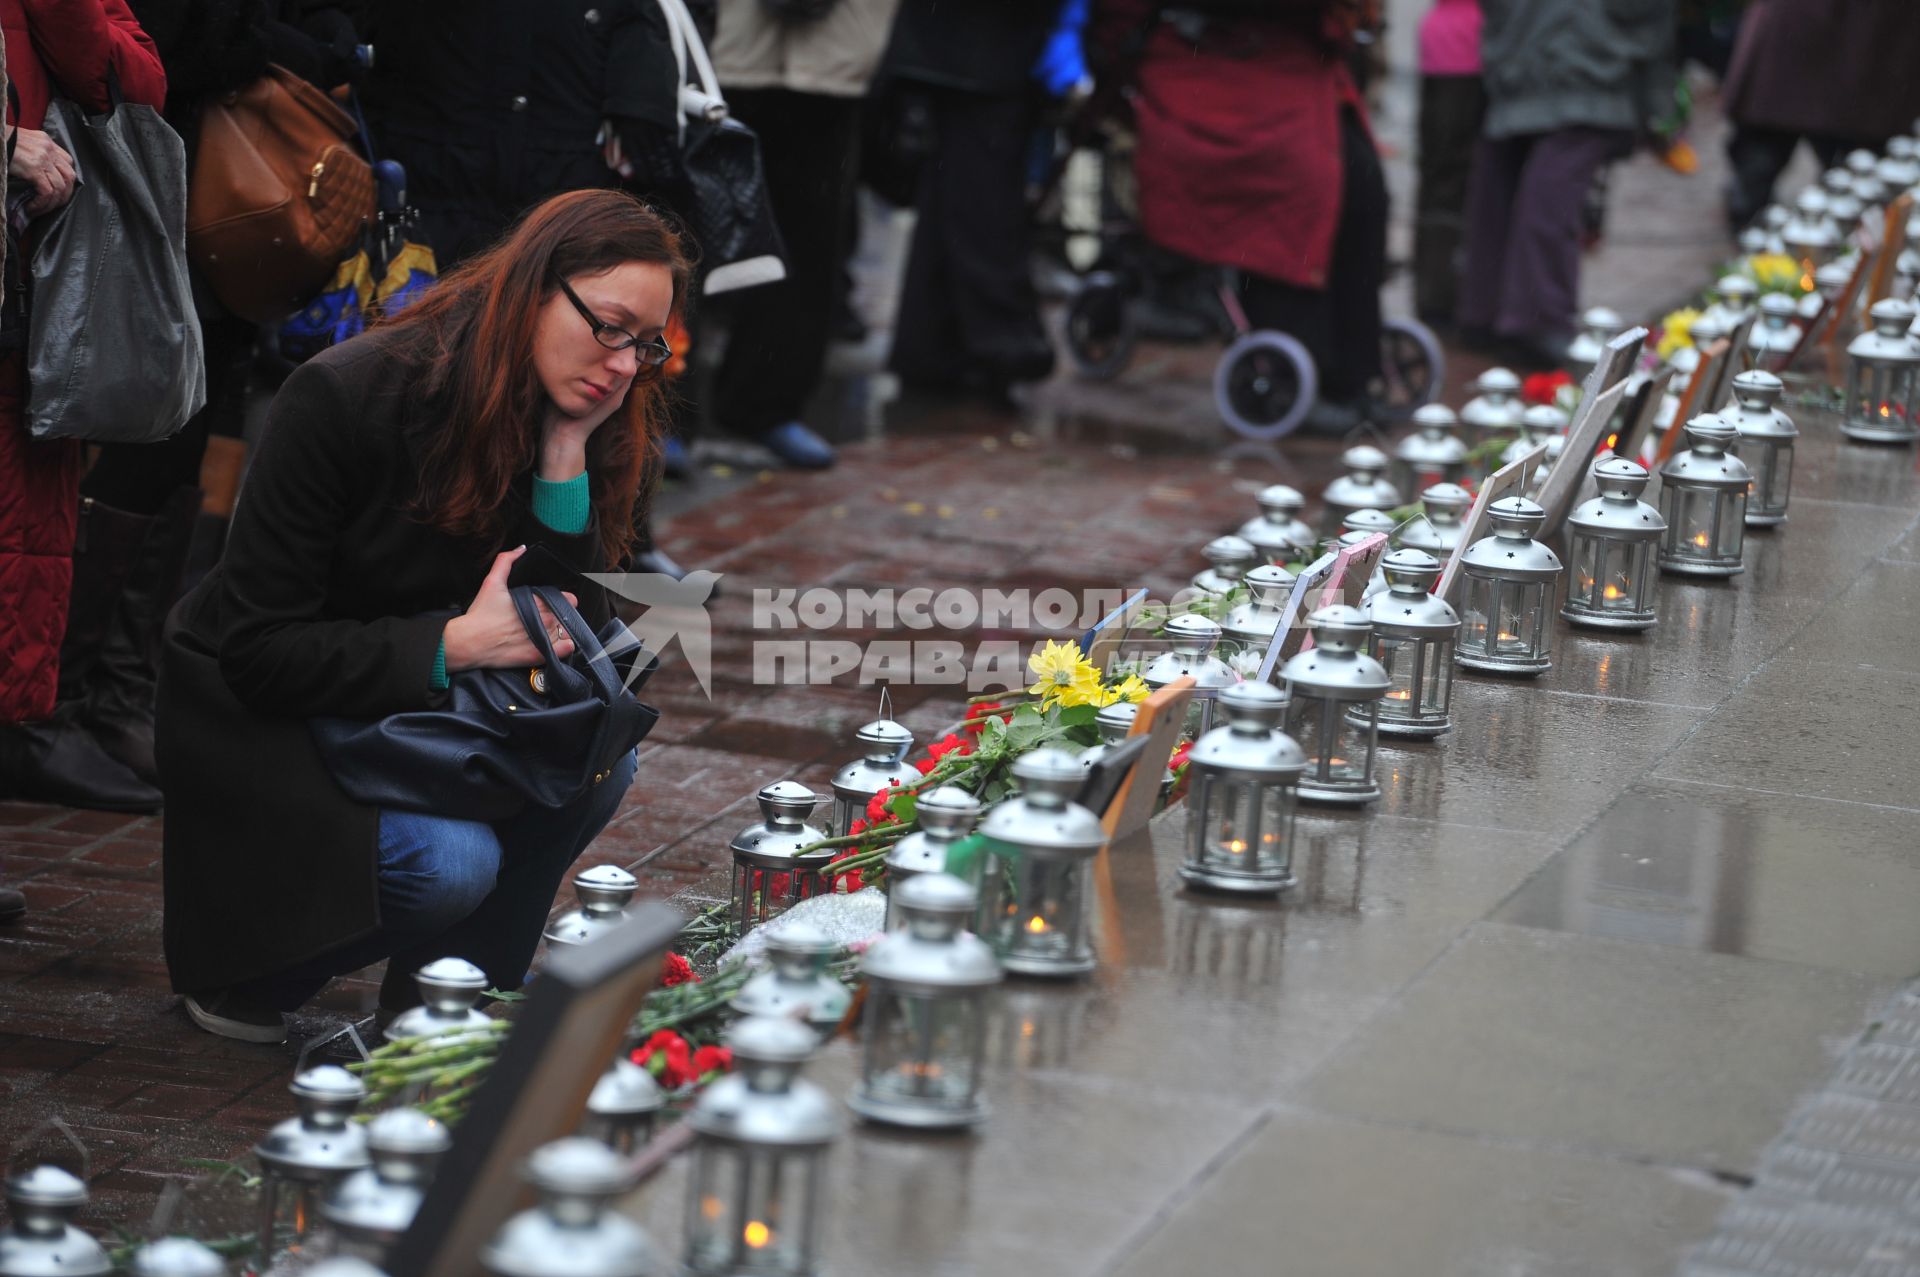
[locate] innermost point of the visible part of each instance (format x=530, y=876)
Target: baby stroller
x=1266, y=382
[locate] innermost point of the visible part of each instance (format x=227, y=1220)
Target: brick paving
x=1095, y=488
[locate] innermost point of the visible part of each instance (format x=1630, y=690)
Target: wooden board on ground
x=1623, y=349
x=1641, y=414
x=1713, y=356
x=564, y=1037
x=1739, y=359
x=1585, y=437
x=1160, y=719
x=1507, y=481
x=1895, y=234
x=1834, y=321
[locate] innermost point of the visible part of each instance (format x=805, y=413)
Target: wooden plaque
x=1160, y=719
x=1641, y=414
x=574, y=1021
x=1713, y=356
x=1504, y=482
x=1894, y=235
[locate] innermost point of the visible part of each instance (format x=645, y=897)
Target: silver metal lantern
x=947, y=814
x=1034, y=889
x=623, y=1107
x=796, y=984
x=770, y=872
x=925, y=1024
x=1766, y=444
x=1778, y=333
x=1414, y=632
x=176, y=1257
x=1738, y=297
x=1228, y=559
x=604, y=892
x=1706, y=328
x=304, y=1156
x=1598, y=326
x=1810, y=236
x=1114, y=723
x=342, y=1266
x=1363, y=487
x=369, y=1209
x=1861, y=162
x=1250, y=626
x=1506, y=590
x=1906, y=268
x=881, y=765
x=1703, y=498
x=1539, y=423
x=574, y=1231
x=1243, y=785
x=1829, y=286
x=1611, y=543
x=450, y=989
x=1753, y=241
x=1882, y=378
x=1441, y=527
x=42, y=1241
x=1433, y=453
x=1279, y=535
x=1848, y=211
x=1193, y=639
x=1496, y=408
x=1899, y=169
x=1333, y=712
x=756, y=1200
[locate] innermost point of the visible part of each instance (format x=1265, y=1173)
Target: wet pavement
x=1541, y=1010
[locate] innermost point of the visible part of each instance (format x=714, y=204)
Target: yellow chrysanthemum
x=1060, y=671
x=1083, y=690
x=1129, y=689
x=1676, y=331
x=1774, y=272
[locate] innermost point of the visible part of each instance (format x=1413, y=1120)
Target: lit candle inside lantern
x=756, y=1234
x=1701, y=539
x=1237, y=846
x=1036, y=924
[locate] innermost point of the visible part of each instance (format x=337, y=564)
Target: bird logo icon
x=675, y=609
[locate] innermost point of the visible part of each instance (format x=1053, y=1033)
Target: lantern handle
x=60, y=1127
x=886, y=700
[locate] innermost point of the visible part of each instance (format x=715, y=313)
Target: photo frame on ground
x=1286, y=639
x=1713, y=357
x=1507, y=481
x=1108, y=773
x=565, y=1035
x=1623, y=349
x=1585, y=437
x=1158, y=722
x=1643, y=409
x=1107, y=635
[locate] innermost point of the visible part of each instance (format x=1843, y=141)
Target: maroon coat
x=1239, y=137
x=54, y=48
x=1827, y=68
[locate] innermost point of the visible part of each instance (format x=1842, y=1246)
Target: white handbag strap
x=702, y=101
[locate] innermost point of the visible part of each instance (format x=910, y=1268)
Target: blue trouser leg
x=464, y=889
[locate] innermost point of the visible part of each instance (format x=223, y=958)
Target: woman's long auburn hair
x=473, y=335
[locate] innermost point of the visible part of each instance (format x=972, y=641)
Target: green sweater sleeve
x=564, y=507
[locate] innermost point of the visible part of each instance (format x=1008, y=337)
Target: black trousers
x=1758, y=156
x=967, y=304
x=1339, y=324
x=778, y=342
x=1452, y=108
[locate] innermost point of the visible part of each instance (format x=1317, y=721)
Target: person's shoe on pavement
x=12, y=904
x=675, y=461
x=231, y=1014
x=654, y=559
x=799, y=447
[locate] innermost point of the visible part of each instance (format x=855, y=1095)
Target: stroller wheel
x=1100, y=333
x=1411, y=368
x=1265, y=385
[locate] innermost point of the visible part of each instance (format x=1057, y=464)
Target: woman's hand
x=488, y=635
x=563, y=442
x=40, y=163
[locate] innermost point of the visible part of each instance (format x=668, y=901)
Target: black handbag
x=709, y=169
x=509, y=738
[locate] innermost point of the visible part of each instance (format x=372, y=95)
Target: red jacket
x=54, y=47
x=1238, y=157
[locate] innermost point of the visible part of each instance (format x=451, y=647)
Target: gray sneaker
x=231, y=1015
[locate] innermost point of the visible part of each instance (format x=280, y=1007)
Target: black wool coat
x=330, y=600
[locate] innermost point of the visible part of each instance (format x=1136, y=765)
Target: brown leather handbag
x=279, y=195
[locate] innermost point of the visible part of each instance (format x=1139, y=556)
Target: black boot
x=119, y=697
x=60, y=761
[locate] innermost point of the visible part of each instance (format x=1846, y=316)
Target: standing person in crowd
x=139, y=503
x=516, y=404
x=1453, y=105
x=1839, y=75
x=71, y=49
x=1570, y=83
x=795, y=72
x=1254, y=153
x=492, y=105
x=969, y=316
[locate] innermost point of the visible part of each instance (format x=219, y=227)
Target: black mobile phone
x=541, y=566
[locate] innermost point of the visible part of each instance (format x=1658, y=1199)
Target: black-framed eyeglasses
x=651, y=353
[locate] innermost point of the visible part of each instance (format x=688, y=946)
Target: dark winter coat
x=983, y=46
x=1238, y=120
x=53, y=48
x=330, y=600
x=1555, y=64
x=1827, y=68
x=492, y=105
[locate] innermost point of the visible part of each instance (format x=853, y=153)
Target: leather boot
x=119, y=696
x=59, y=761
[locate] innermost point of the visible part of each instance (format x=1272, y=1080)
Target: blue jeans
x=461, y=889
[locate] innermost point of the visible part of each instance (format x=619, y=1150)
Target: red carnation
x=852, y=877
x=676, y=970
x=877, y=813
x=666, y=1055
x=857, y=828
x=1544, y=387
x=709, y=1061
